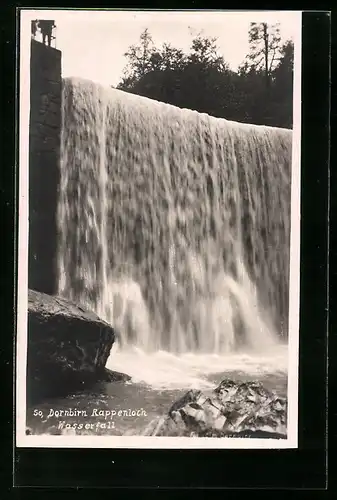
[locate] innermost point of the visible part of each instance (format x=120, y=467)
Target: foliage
x=259, y=92
x=264, y=44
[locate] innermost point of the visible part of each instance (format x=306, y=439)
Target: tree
x=171, y=58
x=286, y=61
x=264, y=42
x=283, y=85
x=202, y=80
x=139, y=57
x=165, y=73
x=204, y=51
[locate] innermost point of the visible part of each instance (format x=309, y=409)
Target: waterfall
x=174, y=226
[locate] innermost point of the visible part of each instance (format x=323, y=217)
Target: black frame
x=304, y=468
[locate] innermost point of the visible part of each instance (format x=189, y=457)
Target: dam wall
x=44, y=172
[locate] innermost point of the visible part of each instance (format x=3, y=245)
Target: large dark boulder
x=233, y=409
x=68, y=346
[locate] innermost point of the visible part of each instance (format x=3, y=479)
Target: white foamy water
x=174, y=227
x=166, y=371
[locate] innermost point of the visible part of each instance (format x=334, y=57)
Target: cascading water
x=174, y=225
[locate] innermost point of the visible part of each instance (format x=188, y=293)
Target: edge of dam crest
x=153, y=102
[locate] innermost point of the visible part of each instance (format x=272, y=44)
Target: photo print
x=159, y=212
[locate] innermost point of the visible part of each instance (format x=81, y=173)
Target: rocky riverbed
x=233, y=409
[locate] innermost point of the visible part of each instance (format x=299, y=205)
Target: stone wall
x=44, y=150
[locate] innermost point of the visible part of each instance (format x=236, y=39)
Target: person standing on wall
x=46, y=28
x=34, y=28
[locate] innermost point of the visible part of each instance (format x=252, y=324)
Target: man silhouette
x=46, y=28
x=34, y=28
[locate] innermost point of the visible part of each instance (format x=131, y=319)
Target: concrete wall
x=44, y=151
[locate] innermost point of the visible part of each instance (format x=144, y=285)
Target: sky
x=93, y=43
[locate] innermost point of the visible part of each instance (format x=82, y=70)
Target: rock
x=68, y=346
x=107, y=375
x=233, y=409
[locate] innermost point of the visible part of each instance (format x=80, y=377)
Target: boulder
x=233, y=409
x=68, y=346
x=107, y=375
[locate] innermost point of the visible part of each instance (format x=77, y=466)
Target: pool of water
x=126, y=408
